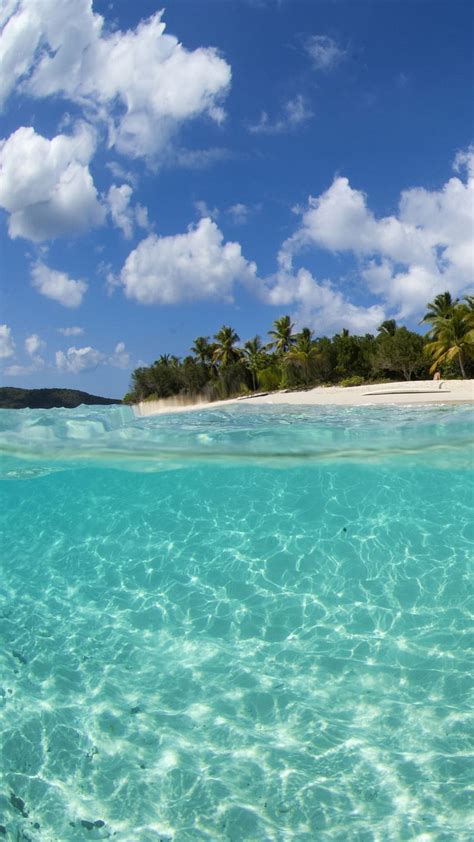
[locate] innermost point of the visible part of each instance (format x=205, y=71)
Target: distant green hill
x=11, y=398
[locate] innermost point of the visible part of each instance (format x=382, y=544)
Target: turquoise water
x=249, y=624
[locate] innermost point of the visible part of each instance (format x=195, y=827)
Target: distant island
x=11, y=398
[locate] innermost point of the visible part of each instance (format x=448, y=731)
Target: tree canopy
x=297, y=359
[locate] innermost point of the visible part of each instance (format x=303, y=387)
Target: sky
x=168, y=170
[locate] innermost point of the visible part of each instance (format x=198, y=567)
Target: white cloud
x=57, y=285
x=319, y=305
x=202, y=209
x=337, y=220
x=141, y=217
x=112, y=281
x=18, y=42
x=406, y=258
x=16, y=370
x=77, y=360
x=295, y=112
x=464, y=160
x=143, y=82
x=239, y=213
x=33, y=344
x=124, y=216
x=198, y=159
x=120, y=173
x=119, y=204
x=120, y=358
x=46, y=186
x=324, y=52
x=186, y=267
x=71, y=331
x=7, y=345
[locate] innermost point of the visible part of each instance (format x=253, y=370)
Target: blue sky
x=253, y=158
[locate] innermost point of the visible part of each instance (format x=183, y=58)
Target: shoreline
x=401, y=393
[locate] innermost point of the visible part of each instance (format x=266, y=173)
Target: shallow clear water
x=241, y=625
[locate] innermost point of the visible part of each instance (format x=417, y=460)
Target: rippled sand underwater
x=240, y=625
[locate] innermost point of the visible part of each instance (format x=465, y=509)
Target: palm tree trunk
x=461, y=365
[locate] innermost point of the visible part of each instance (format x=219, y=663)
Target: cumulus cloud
x=185, y=267
x=324, y=52
x=319, y=305
x=46, y=186
x=77, y=360
x=143, y=82
x=239, y=213
x=295, y=112
x=71, y=331
x=18, y=42
x=124, y=216
x=7, y=345
x=407, y=258
x=33, y=344
x=198, y=265
x=203, y=209
x=121, y=357
x=57, y=285
x=464, y=160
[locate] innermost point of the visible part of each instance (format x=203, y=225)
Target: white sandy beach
x=413, y=392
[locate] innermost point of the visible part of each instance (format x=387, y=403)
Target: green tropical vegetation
x=220, y=367
x=451, y=336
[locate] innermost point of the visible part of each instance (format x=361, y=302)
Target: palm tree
x=388, y=327
x=224, y=351
x=442, y=306
x=202, y=349
x=469, y=299
x=304, y=340
x=304, y=336
x=304, y=354
x=452, y=337
x=253, y=354
x=282, y=335
x=140, y=386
